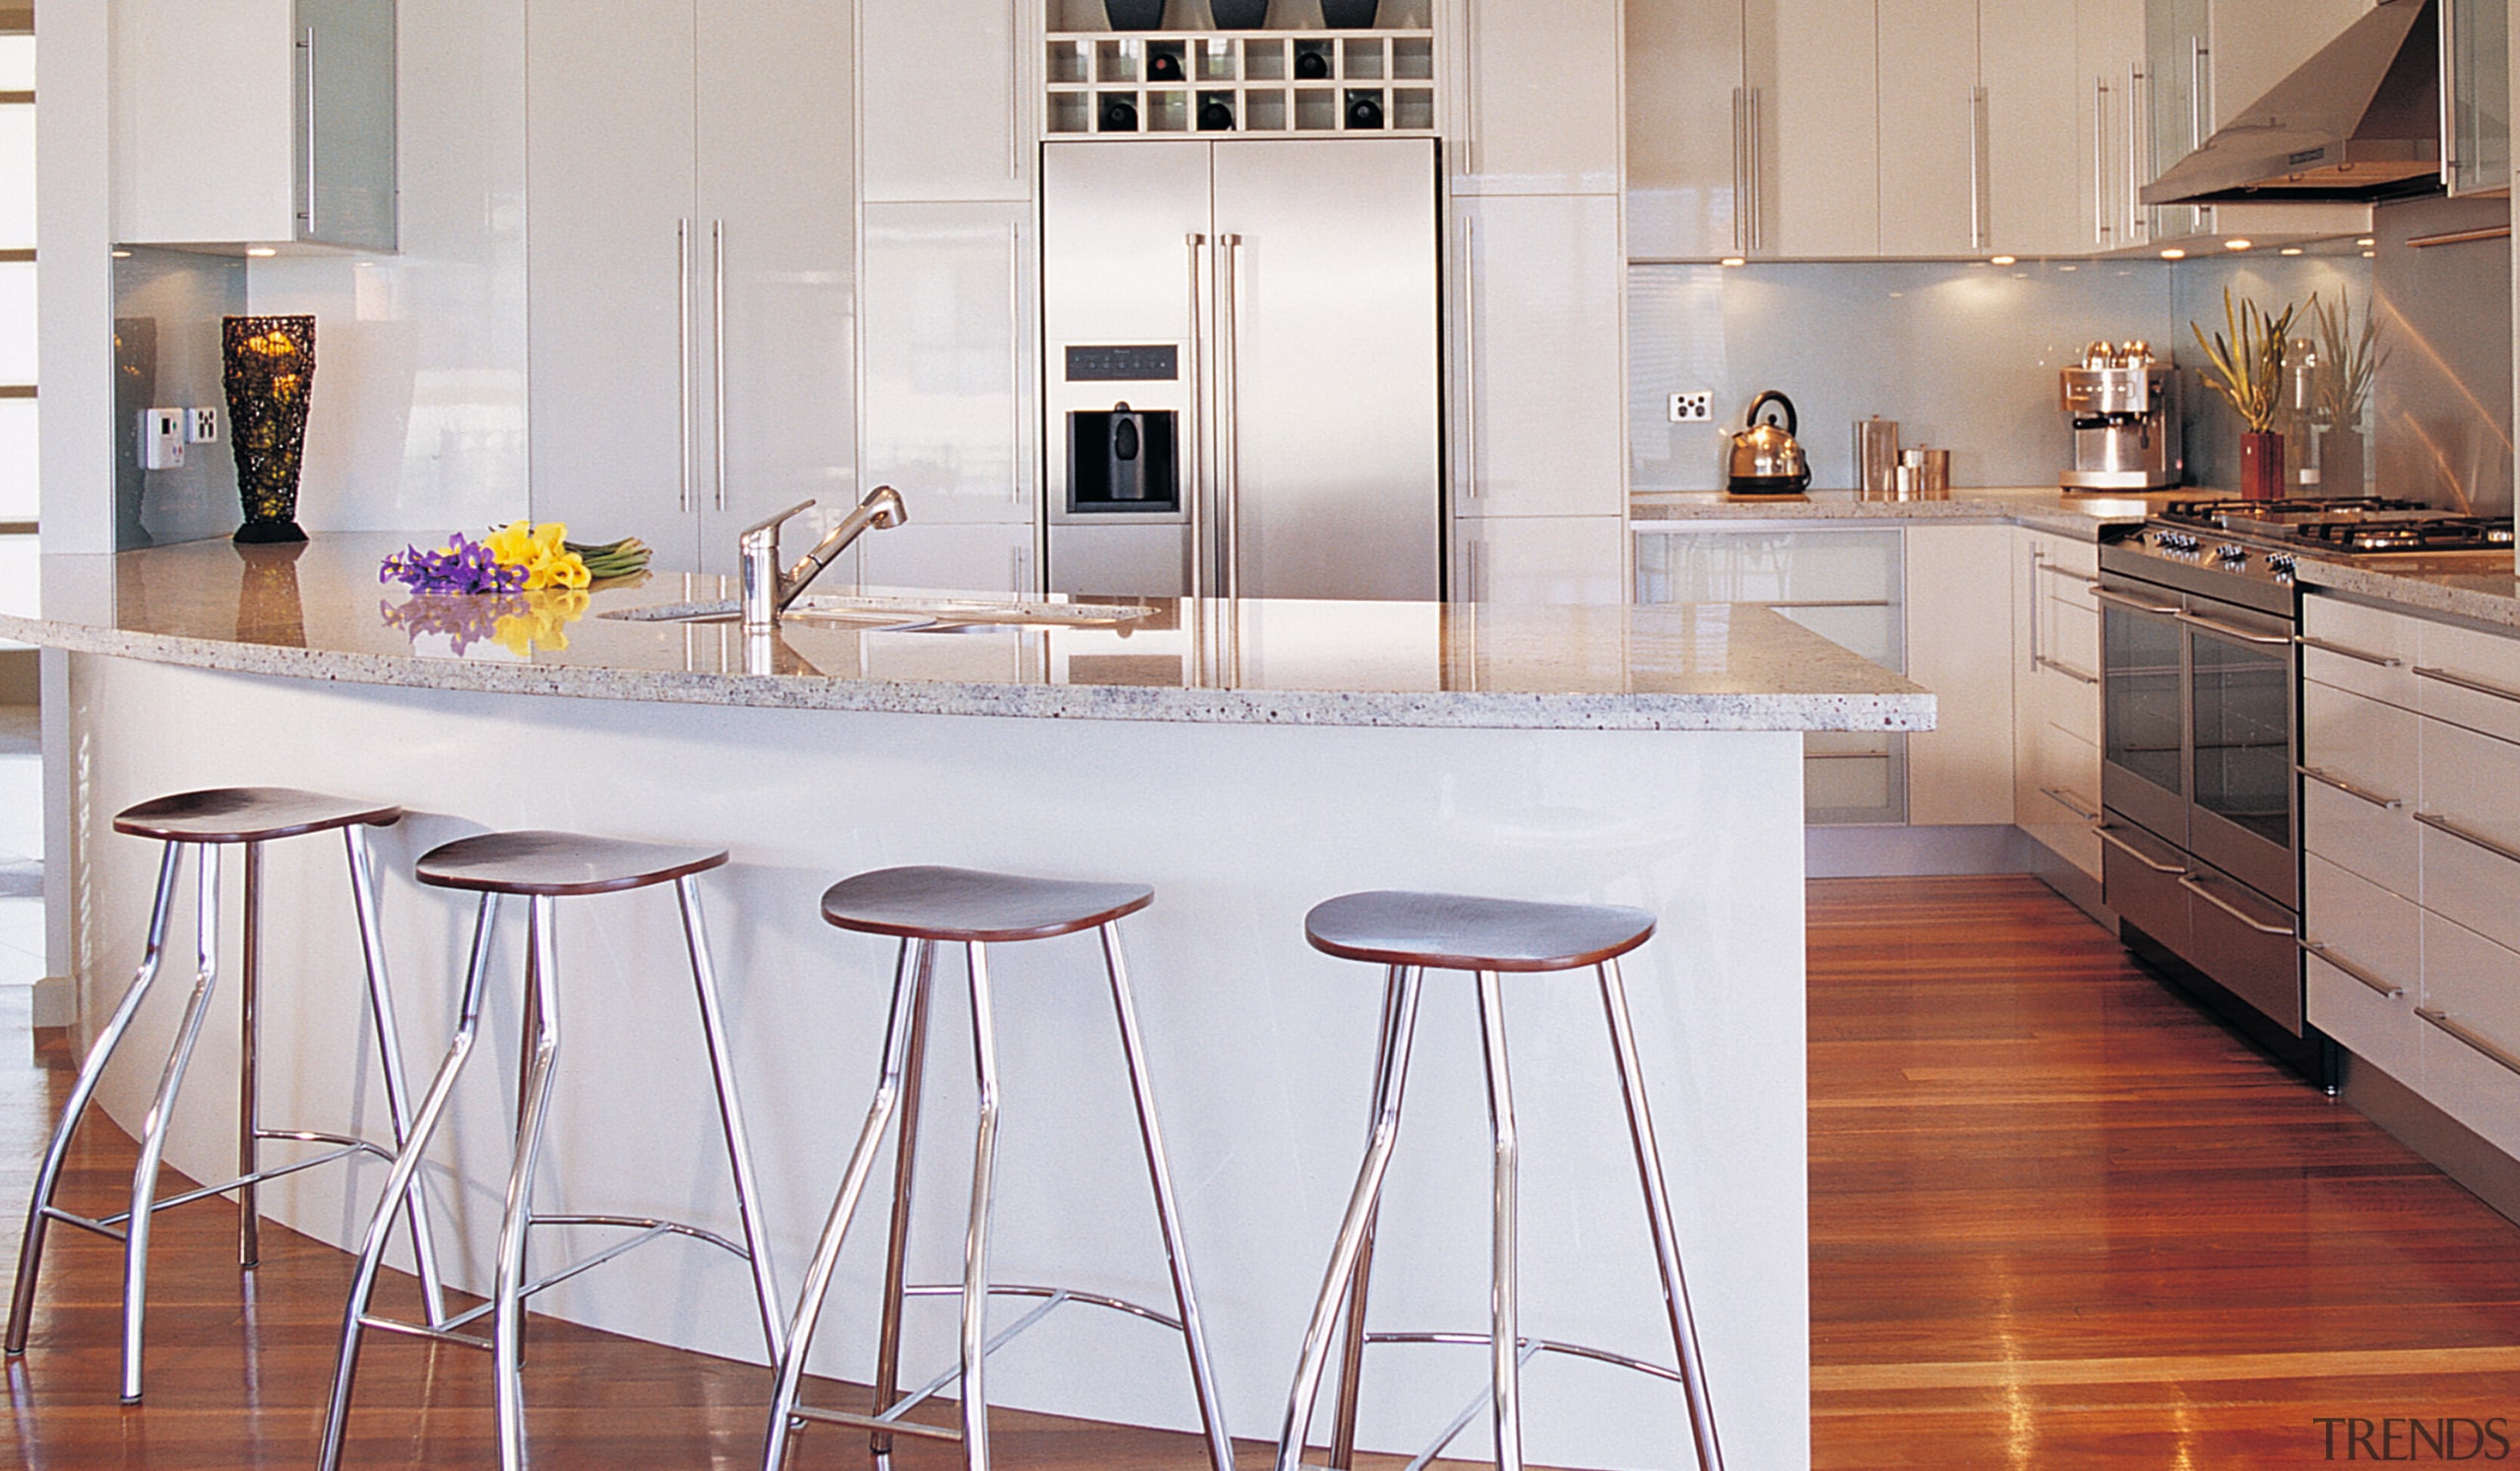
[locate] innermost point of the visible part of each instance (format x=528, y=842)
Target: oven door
x=2240, y=773
x=2143, y=689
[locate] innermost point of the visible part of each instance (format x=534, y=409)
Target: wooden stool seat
x=248, y=815
x=549, y=864
x=964, y=905
x=1459, y=933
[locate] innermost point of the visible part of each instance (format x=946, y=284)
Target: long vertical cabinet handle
x=1229, y=357
x=2038, y=564
x=1758, y=173
x=2449, y=89
x=1981, y=167
x=2197, y=51
x=1740, y=171
x=1199, y=466
x=2139, y=147
x=682, y=349
x=1465, y=272
x=306, y=215
x=2100, y=220
x=718, y=346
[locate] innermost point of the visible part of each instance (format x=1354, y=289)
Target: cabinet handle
x=717, y=346
x=2383, y=661
x=2460, y=681
x=1742, y=170
x=1758, y=171
x=1199, y=466
x=2082, y=676
x=682, y=347
x=2122, y=601
x=2473, y=839
x=2038, y=650
x=2197, y=51
x=2109, y=835
x=1978, y=147
x=2234, y=630
x=2388, y=988
x=2099, y=224
x=2448, y=19
x=306, y=217
x=2070, y=803
x=1024, y=461
x=2196, y=886
x=1469, y=276
x=2493, y=1053
x=1229, y=357
x=2053, y=569
x=2139, y=147
x=2329, y=779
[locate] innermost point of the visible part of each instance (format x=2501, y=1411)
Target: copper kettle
x=1766, y=460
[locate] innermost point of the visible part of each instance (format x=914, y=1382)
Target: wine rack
x=1117, y=85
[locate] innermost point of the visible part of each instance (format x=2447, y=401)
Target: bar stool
x=208, y=821
x=925, y=907
x=1410, y=934
x=545, y=867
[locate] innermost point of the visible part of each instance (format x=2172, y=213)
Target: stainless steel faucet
x=768, y=590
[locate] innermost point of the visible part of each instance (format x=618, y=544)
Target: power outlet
x=201, y=426
x=1696, y=407
x=161, y=438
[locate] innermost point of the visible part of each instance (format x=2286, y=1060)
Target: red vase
x=2261, y=465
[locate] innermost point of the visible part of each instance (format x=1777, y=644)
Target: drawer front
x=2469, y=826
x=2054, y=696
x=2365, y=943
x=2140, y=879
x=2356, y=751
x=2472, y=1040
x=2061, y=796
x=2470, y=678
x=2361, y=648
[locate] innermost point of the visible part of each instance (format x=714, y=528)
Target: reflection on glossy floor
x=2060, y=1220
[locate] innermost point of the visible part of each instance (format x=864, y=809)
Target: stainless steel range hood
x=2359, y=122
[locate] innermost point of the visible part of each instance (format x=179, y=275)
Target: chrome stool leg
x=730, y=1118
x=1657, y=1212
x=1505, y=1337
x=1352, y=1347
x=533, y=1115
x=976, y=1236
x=888, y=1352
x=389, y=1042
x=1392, y=1071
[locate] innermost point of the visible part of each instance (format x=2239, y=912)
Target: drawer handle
x=2474, y=840
x=2109, y=835
x=2105, y=594
x=2460, y=681
x=2493, y=1054
x=2066, y=670
x=2070, y=803
x=2053, y=569
x=2329, y=779
x=2386, y=988
x=2196, y=886
x=2323, y=645
x=2244, y=635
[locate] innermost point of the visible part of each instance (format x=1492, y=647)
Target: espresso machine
x=2124, y=404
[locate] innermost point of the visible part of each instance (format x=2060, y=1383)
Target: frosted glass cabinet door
x=951, y=325
x=1544, y=114
x=942, y=119
x=609, y=118
x=1537, y=282
x=1685, y=107
x=773, y=267
x=2478, y=72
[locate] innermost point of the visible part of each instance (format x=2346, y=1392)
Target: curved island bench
x=1247, y=759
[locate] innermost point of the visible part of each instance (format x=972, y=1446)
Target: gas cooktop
x=2362, y=527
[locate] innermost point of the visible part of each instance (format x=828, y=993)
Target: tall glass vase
x=269, y=364
x=2261, y=465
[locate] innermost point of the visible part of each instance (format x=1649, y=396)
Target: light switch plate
x=161, y=438
x=1693, y=408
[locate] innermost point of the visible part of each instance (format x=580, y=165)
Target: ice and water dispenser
x=1120, y=459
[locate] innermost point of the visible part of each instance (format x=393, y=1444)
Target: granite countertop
x=2447, y=585
x=2081, y=516
x=317, y=612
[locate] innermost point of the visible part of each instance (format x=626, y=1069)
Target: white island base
x=1261, y=1048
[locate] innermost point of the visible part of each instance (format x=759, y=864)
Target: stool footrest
x=422, y=1330
x=876, y=1422
x=110, y=1225
x=1061, y=1293
x=648, y=1231
x=88, y=1223
x=1526, y=1349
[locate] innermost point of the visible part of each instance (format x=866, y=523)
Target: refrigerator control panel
x=1124, y=365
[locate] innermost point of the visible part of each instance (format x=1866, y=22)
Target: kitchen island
x=1247, y=759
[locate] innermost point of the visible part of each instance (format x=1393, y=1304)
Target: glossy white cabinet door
x=778, y=291
x=1538, y=353
x=1959, y=646
x=609, y=118
x=1684, y=121
x=971, y=556
x=1815, y=125
x=1932, y=129
x=2109, y=135
x=1544, y=109
x=946, y=116
x=2038, y=174
x=1562, y=559
x=952, y=326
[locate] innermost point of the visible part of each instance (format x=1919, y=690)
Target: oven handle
x=2066, y=799
x=2196, y=886
x=2109, y=835
x=2493, y=1053
x=2383, y=661
x=2234, y=630
x=2107, y=595
x=2329, y=779
x=2389, y=988
x=2460, y=681
x=2476, y=840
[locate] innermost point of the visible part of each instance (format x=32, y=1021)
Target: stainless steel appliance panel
x=1330, y=459
x=1115, y=228
x=2139, y=875
x=2240, y=695
x=2249, y=947
x=2144, y=712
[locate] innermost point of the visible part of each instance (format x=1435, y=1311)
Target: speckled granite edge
x=1908, y=709
x=2430, y=594
x=1646, y=509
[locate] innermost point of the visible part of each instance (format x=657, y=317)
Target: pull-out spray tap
x=768, y=590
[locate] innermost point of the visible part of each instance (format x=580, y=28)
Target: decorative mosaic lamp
x=270, y=374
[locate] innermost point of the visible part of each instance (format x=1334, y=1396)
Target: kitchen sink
x=727, y=610
x=902, y=614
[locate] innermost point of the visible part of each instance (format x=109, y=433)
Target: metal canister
x=1876, y=456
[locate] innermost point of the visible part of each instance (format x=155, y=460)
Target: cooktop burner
x=2360, y=526
x=2432, y=533
x=2221, y=515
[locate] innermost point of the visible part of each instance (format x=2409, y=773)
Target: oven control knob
x=2280, y=563
x=2230, y=553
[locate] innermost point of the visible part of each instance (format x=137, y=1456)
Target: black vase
x=1134, y=14
x=1350, y=14
x=270, y=369
x=1240, y=15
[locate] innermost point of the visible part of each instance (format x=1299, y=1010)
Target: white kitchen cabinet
x=947, y=113
x=2055, y=714
x=1543, y=101
x=691, y=267
x=1933, y=129
x=1959, y=646
x=969, y=557
x=1814, y=129
x=1559, y=559
x=1685, y=103
x=1539, y=369
x=268, y=122
x=2042, y=182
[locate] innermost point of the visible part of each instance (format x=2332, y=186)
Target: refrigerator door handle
x=1197, y=489
x=1229, y=425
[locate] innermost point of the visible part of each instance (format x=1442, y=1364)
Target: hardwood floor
x=2059, y=1219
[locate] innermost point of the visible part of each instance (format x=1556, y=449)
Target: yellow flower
x=543, y=551
x=544, y=621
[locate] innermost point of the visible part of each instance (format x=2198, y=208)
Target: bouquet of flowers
x=518, y=557
x=516, y=622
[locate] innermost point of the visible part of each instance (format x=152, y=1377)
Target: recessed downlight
x=2290, y=250
x=260, y=252
x=2004, y=260
x=2239, y=244
x=2174, y=254
x=1732, y=260
x=2366, y=242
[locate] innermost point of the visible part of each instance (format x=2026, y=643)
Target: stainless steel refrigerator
x=1242, y=368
